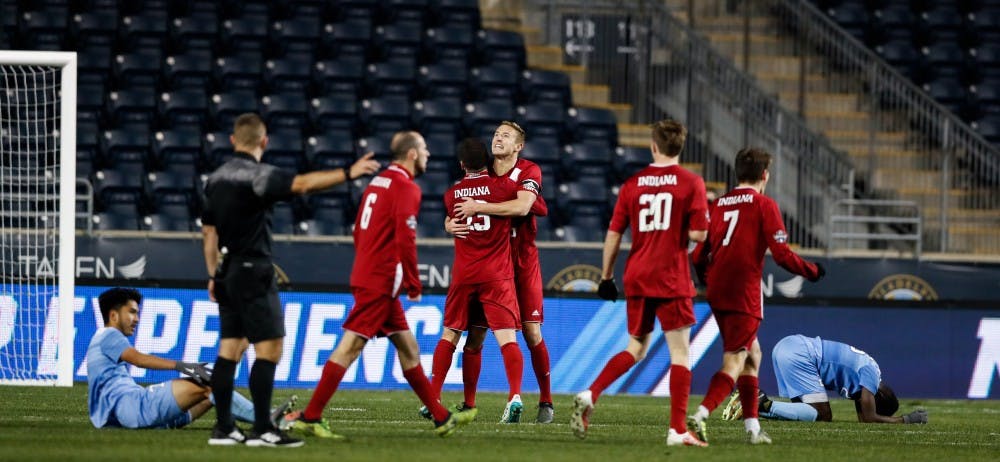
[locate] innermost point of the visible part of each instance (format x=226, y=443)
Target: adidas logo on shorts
x=535, y=313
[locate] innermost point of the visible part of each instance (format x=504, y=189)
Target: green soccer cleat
x=465, y=414
x=318, y=428
x=698, y=427
x=446, y=428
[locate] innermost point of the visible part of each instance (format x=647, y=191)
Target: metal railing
x=660, y=66
x=905, y=143
x=872, y=220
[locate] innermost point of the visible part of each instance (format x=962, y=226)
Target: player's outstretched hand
x=456, y=227
x=466, y=208
x=820, y=272
x=366, y=165
x=916, y=417
x=197, y=371
x=608, y=290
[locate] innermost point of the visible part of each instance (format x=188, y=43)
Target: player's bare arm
x=456, y=227
x=146, y=361
x=513, y=208
x=210, y=247
x=612, y=243
x=865, y=406
x=323, y=179
x=697, y=236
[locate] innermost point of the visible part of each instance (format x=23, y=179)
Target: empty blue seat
x=90, y=28
x=449, y=45
x=43, y=30
x=390, y=79
x=378, y=145
x=987, y=60
x=125, y=146
x=940, y=23
x=579, y=233
x=398, y=42
x=357, y=10
x=494, y=83
x=544, y=120
x=140, y=68
x=224, y=108
x=434, y=184
x=178, y=151
x=499, y=46
x=183, y=109
x=481, y=119
x=438, y=117
x=147, y=29
x=347, y=39
x=116, y=219
x=542, y=152
x=451, y=12
x=593, y=125
x=237, y=73
x=343, y=75
x=132, y=107
x=440, y=81
x=949, y=92
x=162, y=222
x=852, y=17
x=90, y=102
x=430, y=221
x=629, y=160
x=385, y=114
x=244, y=33
x=334, y=112
x=187, y=71
x=989, y=127
x=296, y=36
x=946, y=58
x=217, y=148
x=288, y=75
x=583, y=197
x=587, y=160
x=119, y=186
x=288, y=112
x=328, y=151
x=283, y=218
x=403, y=12
x=194, y=32
x=540, y=86
x=285, y=150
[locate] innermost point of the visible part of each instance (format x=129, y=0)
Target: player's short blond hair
x=669, y=136
x=517, y=128
x=248, y=130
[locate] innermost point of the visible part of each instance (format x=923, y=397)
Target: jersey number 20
x=655, y=212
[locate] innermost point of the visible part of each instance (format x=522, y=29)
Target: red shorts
x=529, y=295
x=673, y=313
x=738, y=330
x=488, y=304
x=375, y=314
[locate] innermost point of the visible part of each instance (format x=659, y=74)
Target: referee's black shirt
x=239, y=195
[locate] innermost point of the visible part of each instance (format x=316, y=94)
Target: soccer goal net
x=37, y=216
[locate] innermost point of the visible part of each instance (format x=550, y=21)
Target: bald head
x=403, y=142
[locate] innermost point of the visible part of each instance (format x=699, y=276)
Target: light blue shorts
x=796, y=367
x=150, y=407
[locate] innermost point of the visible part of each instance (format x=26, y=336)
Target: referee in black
x=236, y=225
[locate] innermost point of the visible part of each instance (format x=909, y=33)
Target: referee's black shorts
x=248, y=300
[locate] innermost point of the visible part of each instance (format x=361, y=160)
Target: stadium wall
x=922, y=352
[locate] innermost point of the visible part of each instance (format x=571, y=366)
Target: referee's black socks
x=261, y=389
x=222, y=388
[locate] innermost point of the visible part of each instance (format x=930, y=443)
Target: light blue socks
x=782, y=411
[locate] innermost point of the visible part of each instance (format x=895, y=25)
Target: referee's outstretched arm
x=323, y=179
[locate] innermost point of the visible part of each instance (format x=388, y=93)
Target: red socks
x=618, y=365
x=748, y=385
x=418, y=382
x=472, y=364
x=719, y=387
x=680, y=388
x=540, y=363
x=333, y=373
x=513, y=363
x=439, y=367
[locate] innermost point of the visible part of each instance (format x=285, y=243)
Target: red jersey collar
x=395, y=166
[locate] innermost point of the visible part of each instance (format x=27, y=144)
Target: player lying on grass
x=116, y=400
x=806, y=368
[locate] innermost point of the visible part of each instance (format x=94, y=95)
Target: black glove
x=608, y=290
x=197, y=371
x=820, y=272
x=916, y=417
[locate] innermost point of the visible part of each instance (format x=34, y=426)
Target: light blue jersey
x=115, y=400
x=806, y=367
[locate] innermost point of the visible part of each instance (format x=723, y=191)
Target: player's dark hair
x=473, y=155
x=669, y=136
x=517, y=128
x=248, y=129
x=402, y=142
x=115, y=298
x=886, y=402
x=751, y=163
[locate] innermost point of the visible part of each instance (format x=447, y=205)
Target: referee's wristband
x=347, y=174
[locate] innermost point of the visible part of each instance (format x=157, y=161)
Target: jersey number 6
x=366, y=211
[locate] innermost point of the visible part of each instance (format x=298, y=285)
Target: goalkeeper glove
x=608, y=290
x=916, y=417
x=197, y=371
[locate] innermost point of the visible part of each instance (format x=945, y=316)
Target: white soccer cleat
x=512, y=412
x=686, y=439
x=734, y=408
x=583, y=405
x=758, y=437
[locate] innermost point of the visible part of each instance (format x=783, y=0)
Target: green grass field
x=52, y=424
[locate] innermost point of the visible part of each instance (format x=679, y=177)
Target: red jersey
x=744, y=225
x=528, y=177
x=385, y=234
x=661, y=203
x=484, y=255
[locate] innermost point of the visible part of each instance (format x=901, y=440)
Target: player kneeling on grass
x=116, y=400
x=806, y=368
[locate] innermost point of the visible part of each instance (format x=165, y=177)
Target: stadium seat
x=385, y=114
x=540, y=86
x=217, y=148
x=283, y=220
x=434, y=184
x=138, y=69
x=334, y=112
x=287, y=112
x=397, y=43
x=125, y=146
x=583, y=197
x=116, y=219
x=438, y=117
x=481, y=119
x=443, y=81
x=390, y=79
x=146, y=29
x=945, y=58
x=224, y=108
x=430, y=221
x=94, y=28
x=987, y=60
x=587, y=160
x=544, y=227
x=593, y=125
x=350, y=39
x=162, y=222
x=329, y=216
x=543, y=120
x=629, y=160
x=284, y=149
x=187, y=71
x=136, y=107
x=341, y=76
x=494, y=83
x=237, y=73
x=499, y=46
x=124, y=186
x=411, y=12
x=451, y=12
x=328, y=150
x=288, y=75
x=542, y=152
x=986, y=23
x=194, y=32
x=90, y=102
x=449, y=45
x=579, y=233
x=183, y=109
x=894, y=22
x=43, y=30
x=87, y=149
x=379, y=145
x=178, y=151
x=852, y=17
x=949, y=92
x=989, y=127
x=941, y=23
x=357, y=10
x=296, y=36
x=247, y=33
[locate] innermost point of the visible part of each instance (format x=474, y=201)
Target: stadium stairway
x=512, y=14
x=901, y=168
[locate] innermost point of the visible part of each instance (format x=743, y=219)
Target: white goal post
x=38, y=95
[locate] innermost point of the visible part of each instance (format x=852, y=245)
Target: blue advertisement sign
x=923, y=353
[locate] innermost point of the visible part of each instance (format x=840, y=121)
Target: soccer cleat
x=734, y=408
x=426, y=413
x=273, y=439
x=465, y=413
x=759, y=437
x=278, y=414
x=686, y=439
x=698, y=428
x=583, y=405
x=318, y=428
x=512, y=412
x=763, y=402
x=223, y=438
x=545, y=413
x=447, y=428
